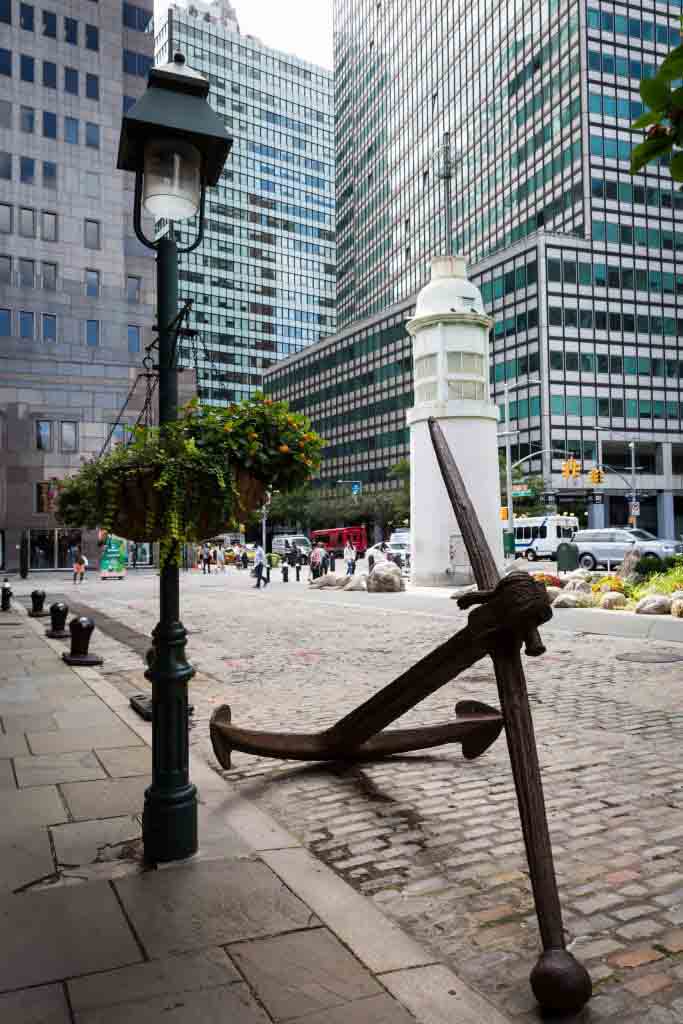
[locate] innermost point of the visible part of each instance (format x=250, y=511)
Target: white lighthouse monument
x=450, y=332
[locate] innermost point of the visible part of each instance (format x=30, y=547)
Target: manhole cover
x=650, y=657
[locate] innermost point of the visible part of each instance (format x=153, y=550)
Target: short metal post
x=81, y=630
x=58, y=614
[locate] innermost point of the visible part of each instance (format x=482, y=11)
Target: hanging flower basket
x=194, y=479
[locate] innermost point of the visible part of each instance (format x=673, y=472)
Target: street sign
x=355, y=487
x=522, y=491
x=635, y=509
x=598, y=499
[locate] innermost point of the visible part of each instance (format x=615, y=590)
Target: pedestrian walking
x=350, y=558
x=206, y=559
x=332, y=561
x=259, y=567
x=316, y=561
x=245, y=559
x=79, y=566
x=220, y=559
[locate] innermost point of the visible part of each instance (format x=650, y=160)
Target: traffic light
x=566, y=470
x=575, y=467
x=596, y=475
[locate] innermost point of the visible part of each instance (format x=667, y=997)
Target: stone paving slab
x=109, y=798
x=7, y=780
x=112, y=734
x=53, y=768
x=380, y=1009
x=17, y=724
x=20, y=809
x=211, y=904
x=177, y=975
x=12, y=746
x=125, y=762
x=25, y=857
x=45, y=1005
x=233, y=1004
x=89, y=842
x=301, y=973
x=63, y=934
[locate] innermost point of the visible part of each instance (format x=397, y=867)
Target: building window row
x=628, y=323
x=136, y=63
x=49, y=432
x=638, y=234
x=27, y=221
x=28, y=73
x=28, y=170
x=635, y=28
x=137, y=18
x=28, y=273
x=615, y=365
x=612, y=275
x=31, y=326
x=631, y=408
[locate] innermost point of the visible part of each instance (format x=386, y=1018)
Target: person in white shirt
x=350, y=558
x=259, y=566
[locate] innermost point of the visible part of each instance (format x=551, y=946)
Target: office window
x=5, y=114
x=5, y=218
x=92, y=37
x=50, y=24
x=5, y=323
x=92, y=234
x=5, y=12
x=27, y=222
x=133, y=289
x=6, y=62
x=92, y=185
x=136, y=17
x=92, y=333
x=49, y=174
x=71, y=130
x=71, y=31
x=27, y=170
x=69, y=436
x=26, y=17
x=92, y=87
x=6, y=166
x=49, y=327
x=136, y=63
x=5, y=270
x=133, y=338
x=26, y=325
x=49, y=226
x=49, y=276
x=49, y=74
x=92, y=283
x=27, y=120
x=71, y=81
x=128, y=102
x=27, y=274
x=44, y=435
x=49, y=125
x=27, y=68
x=92, y=135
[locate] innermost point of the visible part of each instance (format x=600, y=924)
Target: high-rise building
x=76, y=287
x=263, y=279
x=577, y=260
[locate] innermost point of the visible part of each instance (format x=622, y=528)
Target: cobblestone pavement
x=435, y=840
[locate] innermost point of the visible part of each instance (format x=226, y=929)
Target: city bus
x=539, y=536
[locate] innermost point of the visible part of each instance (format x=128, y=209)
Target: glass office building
x=263, y=279
x=577, y=260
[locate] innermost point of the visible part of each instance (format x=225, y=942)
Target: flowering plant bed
x=548, y=579
x=194, y=477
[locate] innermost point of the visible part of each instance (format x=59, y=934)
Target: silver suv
x=608, y=547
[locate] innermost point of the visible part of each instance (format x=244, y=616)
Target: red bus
x=336, y=540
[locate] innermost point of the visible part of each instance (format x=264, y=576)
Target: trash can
x=508, y=543
x=567, y=557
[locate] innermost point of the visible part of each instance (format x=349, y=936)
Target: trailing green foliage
x=194, y=477
x=664, y=117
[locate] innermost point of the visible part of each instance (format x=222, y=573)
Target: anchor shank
x=430, y=673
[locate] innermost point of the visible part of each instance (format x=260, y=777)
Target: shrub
x=547, y=579
x=615, y=583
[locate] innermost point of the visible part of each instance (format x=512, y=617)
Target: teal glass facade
x=263, y=279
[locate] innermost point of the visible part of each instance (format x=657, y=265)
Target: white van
x=539, y=536
x=282, y=542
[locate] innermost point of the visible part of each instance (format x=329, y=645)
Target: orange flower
x=284, y=448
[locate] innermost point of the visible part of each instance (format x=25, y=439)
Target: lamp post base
x=169, y=824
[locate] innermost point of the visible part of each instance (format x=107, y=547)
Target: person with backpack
x=316, y=561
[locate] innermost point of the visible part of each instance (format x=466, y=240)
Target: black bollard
x=268, y=574
x=6, y=605
x=37, y=602
x=81, y=631
x=298, y=573
x=58, y=614
x=285, y=572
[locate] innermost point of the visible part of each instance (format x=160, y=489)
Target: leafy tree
x=401, y=472
x=664, y=117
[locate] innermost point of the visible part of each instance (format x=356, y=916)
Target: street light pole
x=507, y=388
x=632, y=446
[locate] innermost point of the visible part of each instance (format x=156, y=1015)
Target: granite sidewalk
x=254, y=929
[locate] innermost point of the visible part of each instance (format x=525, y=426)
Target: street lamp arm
x=605, y=465
x=542, y=451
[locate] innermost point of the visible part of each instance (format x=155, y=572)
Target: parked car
x=600, y=547
x=397, y=551
x=282, y=543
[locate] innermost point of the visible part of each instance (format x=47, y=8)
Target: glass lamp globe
x=172, y=179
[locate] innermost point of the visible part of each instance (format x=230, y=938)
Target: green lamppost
x=176, y=145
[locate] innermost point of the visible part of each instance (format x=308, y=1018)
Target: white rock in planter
x=553, y=592
x=677, y=606
x=579, y=574
x=328, y=580
x=461, y=591
x=517, y=565
x=359, y=581
x=654, y=604
x=385, y=578
x=577, y=586
x=631, y=559
x=613, y=599
x=577, y=599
